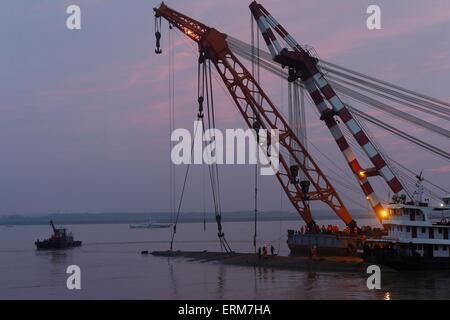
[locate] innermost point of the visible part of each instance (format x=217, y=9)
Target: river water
x=113, y=268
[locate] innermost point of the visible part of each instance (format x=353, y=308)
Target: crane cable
x=393, y=98
x=399, y=133
x=389, y=109
x=280, y=73
x=174, y=228
x=172, y=196
x=236, y=46
x=255, y=74
x=421, y=101
x=405, y=94
x=213, y=167
x=214, y=173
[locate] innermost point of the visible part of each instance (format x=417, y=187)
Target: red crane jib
x=243, y=89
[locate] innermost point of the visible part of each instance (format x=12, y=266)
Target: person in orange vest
x=265, y=251
x=313, y=252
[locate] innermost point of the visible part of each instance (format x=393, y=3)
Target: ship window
x=408, y=229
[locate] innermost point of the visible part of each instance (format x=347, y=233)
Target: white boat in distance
x=150, y=225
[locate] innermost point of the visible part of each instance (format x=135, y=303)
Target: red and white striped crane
x=304, y=66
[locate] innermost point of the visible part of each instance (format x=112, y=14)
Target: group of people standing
x=329, y=229
x=263, y=251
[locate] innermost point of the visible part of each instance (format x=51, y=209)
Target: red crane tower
x=257, y=109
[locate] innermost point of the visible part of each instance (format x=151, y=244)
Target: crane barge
x=299, y=175
x=417, y=233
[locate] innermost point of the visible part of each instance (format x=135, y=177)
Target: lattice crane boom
x=256, y=108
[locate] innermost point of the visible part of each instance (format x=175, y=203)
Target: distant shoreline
x=188, y=217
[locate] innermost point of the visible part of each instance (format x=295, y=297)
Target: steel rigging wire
x=214, y=169
x=244, y=49
x=421, y=101
x=270, y=67
x=204, y=85
x=237, y=47
x=172, y=183
x=255, y=73
x=389, y=97
x=282, y=75
x=405, y=94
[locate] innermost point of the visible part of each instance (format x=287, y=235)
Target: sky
x=84, y=123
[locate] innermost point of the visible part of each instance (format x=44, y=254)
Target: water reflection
x=173, y=278
x=114, y=270
x=311, y=280
x=221, y=278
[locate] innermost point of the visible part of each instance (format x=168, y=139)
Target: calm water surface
x=113, y=268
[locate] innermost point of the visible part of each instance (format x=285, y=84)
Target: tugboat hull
x=51, y=244
x=61, y=239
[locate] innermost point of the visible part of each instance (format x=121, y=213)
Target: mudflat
x=324, y=264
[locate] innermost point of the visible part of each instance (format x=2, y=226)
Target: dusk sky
x=84, y=121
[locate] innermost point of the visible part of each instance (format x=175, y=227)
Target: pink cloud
x=342, y=39
x=437, y=62
x=442, y=169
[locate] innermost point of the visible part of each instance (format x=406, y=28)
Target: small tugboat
x=418, y=235
x=60, y=239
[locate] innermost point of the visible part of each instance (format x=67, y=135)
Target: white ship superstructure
x=419, y=227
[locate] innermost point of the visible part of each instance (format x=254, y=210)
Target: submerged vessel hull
x=325, y=244
x=407, y=263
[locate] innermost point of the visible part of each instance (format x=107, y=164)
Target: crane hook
x=200, y=107
x=158, y=42
x=158, y=35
